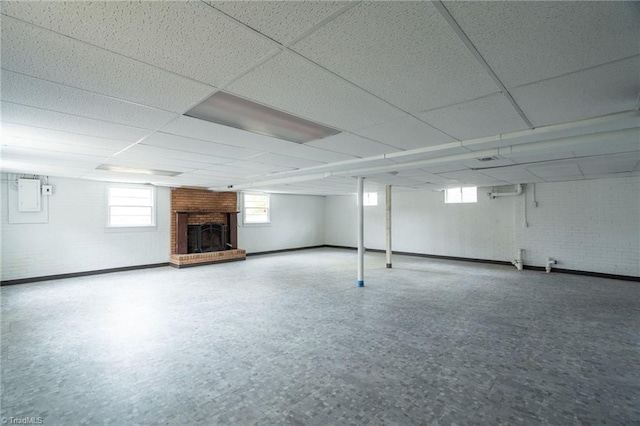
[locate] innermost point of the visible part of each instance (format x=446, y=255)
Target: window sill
x=141, y=228
x=256, y=225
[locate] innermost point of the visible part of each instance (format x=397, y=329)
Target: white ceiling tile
x=20, y=114
x=469, y=177
x=54, y=158
x=609, y=164
x=39, y=167
x=404, y=52
x=283, y=160
x=144, y=162
x=189, y=179
x=512, y=175
x=44, y=145
x=406, y=133
x=294, y=85
x=602, y=90
x=21, y=89
x=282, y=21
x=145, y=151
x=223, y=171
x=256, y=168
x=553, y=170
x=526, y=41
x=422, y=177
x=438, y=179
x=312, y=153
x=110, y=176
x=36, y=133
x=538, y=156
x=423, y=187
x=195, y=40
x=347, y=143
x=199, y=129
x=486, y=116
x=180, y=143
x=480, y=165
x=451, y=166
x=40, y=53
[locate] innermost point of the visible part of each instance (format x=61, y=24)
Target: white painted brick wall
x=590, y=225
x=423, y=223
x=296, y=221
x=76, y=238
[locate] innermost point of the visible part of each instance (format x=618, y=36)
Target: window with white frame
x=131, y=205
x=255, y=208
x=370, y=199
x=461, y=195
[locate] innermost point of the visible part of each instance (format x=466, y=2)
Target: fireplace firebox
x=207, y=237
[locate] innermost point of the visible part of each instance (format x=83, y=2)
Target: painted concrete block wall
x=590, y=225
x=296, y=221
x=423, y=223
x=76, y=238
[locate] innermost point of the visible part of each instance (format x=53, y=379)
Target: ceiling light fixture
x=121, y=169
x=230, y=110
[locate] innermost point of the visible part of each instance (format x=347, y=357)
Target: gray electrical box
x=29, y=195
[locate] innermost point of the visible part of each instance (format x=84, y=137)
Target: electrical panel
x=29, y=195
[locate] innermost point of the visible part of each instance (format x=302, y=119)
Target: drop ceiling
x=418, y=90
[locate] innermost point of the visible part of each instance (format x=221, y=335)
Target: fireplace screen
x=207, y=237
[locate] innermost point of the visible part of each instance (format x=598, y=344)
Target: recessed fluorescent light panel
x=112, y=168
x=233, y=111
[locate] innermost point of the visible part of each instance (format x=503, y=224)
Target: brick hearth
x=193, y=259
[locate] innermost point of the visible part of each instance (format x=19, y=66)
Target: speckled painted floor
x=290, y=339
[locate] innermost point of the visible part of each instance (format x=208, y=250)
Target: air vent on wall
x=233, y=111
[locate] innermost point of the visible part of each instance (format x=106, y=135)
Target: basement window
x=461, y=195
x=370, y=199
x=131, y=205
x=255, y=209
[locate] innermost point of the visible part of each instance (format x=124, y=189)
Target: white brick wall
x=296, y=221
x=75, y=239
x=586, y=225
x=591, y=225
x=423, y=223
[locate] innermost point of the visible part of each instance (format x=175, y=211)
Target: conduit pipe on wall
x=495, y=194
x=550, y=262
x=518, y=263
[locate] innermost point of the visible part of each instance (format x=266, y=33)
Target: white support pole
x=360, y=225
x=388, y=224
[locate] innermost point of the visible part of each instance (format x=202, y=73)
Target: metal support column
x=388, y=217
x=360, y=225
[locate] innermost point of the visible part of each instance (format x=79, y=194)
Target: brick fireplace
x=191, y=207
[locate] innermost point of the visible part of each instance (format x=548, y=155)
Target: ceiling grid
x=420, y=91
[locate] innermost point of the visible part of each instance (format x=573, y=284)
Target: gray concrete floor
x=290, y=339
